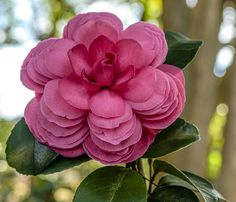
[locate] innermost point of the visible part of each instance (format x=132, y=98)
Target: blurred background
x=210, y=85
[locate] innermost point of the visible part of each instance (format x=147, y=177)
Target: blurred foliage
x=216, y=140
x=152, y=11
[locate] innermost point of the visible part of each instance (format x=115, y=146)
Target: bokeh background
x=210, y=85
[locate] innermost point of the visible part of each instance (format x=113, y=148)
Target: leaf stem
x=150, y=175
x=140, y=167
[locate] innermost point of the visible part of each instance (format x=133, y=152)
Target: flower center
x=104, y=70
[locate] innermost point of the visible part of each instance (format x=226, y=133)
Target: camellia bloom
x=102, y=90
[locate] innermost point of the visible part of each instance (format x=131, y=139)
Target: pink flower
x=102, y=90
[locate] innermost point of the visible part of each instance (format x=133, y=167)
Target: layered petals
x=85, y=28
x=161, y=102
x=152, y=40
x=41, y=65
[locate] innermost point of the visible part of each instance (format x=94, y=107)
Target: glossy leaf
x=177, y=136
x=181, y=49
x=199, y=184
x=172, y=193
x=62, y=163
x=113, y=184
x=29, y=157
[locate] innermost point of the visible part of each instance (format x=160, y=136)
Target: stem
x=152, y=182
x=140, y=167
x=150, y=176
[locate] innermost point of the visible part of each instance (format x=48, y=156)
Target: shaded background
x=210, y=85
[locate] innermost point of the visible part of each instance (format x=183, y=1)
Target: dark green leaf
x=28, y=156
x=62, y=163
x=24, y=153
x=177, y=136
x=173, y=193
x=172, y=180
x=112, y=184
x=181, y=49
x=199, y=184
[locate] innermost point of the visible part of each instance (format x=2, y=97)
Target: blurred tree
x=226, y=182
x=201, y=22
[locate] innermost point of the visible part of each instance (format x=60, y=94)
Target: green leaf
x=62, y=163
x=181, y=49
x=29, y=157
x=112, y=184
x=24, y=153
x=172, y=193
x=177, y=136
x=172, y=180
x=197, y=183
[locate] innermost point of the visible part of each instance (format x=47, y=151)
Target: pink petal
x=140, y=148
x=29, y=83
x=63, y=141
x=131, y=140
x=170, y=109
x=56, y=57
x=79, y=20
x=56, y=103
x=99, y=47
x=175, y=71
x=34, y=75
x=57, y=130
x=72, y=152
x=114, y=135
x=92, y=29
x=107, y=104
x=96, y=153
x=110, y=123
x=60, y=121
x=129, y=52
x=80, y=59
x=30, y=115
x=142, y=87
x=77, y=28
x=74, y=93
x=151, y=38
x=123, y=77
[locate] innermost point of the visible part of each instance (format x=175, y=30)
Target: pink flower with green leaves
x=101, y=89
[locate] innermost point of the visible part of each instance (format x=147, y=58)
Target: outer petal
x=113, y=122
x=141, y=147
x=65, y=140
x=161, y=102
x=56, y=57
x=57, y=104
x=108, y=144
x=73, y=152
x=74, y=93
x=175, y=71
x=30, y=113
x=151, y=38
x=59, y=120
x=48, y=60
x=107, y=104
x=143, y=86
x=84, y=27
